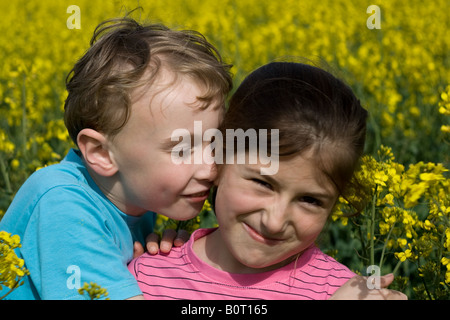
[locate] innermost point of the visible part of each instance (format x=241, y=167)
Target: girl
x=264, y=247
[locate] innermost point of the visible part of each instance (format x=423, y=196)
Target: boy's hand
x=138, y=249
x=356, y=289
x=169, y=239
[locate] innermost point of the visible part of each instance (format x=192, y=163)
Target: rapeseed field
x=395, y=56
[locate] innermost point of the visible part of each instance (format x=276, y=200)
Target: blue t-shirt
x=72, y=234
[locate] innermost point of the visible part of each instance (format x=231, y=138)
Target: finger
x=182, y=237
x=387, y=294
x=386, y=280
x=138, y=249
x=152, y=243
x=167, y=240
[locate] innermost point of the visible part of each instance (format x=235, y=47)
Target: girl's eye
x=311, y=200
x=263, y=183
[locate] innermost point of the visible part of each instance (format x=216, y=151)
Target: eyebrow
x=326, y=196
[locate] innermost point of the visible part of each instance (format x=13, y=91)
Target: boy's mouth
x=198, y=196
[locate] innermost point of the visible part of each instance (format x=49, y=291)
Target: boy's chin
x=183, y=213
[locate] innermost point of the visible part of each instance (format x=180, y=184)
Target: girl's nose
x=276, y=217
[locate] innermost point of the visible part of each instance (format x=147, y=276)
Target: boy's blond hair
x=121, y=51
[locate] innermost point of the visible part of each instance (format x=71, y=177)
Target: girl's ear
x=93, y=145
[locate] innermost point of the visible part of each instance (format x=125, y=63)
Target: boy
x=134, y=86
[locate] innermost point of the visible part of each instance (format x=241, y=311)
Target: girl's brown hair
x=121, y=51
x=312, y=109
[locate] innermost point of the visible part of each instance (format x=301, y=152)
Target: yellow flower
x=415, y=111
x=15, y=164
x=447, y=238
x=402, y=242
x=388, y=199
x=444, y=108
x=93, y=291
x=446, y=262
x=380, y=178
x=430, y=176
x=414, y=193
x=338, y=214
x=427, y=225
x=402, y=256
x=11, y=267
x=385, y=153
x=5, y=144
x=206, y=206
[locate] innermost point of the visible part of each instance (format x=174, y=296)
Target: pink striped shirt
x=182, y=275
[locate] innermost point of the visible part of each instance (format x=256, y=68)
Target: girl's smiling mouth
x=255, y=235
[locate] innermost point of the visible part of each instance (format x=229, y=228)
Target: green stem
x=426, y=289
x=24, y=116
x=396, y=267
x=385, y=245
x=440, y=255
x=5, y=175
x=441, y=245
x=10, y=290
x=363, y=243
x=372, y=229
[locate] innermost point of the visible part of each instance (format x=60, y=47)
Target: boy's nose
x=205, y=166
x=205, y=171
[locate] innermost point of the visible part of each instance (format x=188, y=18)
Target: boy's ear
x=93, y=146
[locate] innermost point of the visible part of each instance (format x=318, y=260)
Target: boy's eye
x=262, y=183
x=182, y=151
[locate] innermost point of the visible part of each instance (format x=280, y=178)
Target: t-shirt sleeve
x=133, y=267
x=70, y=241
